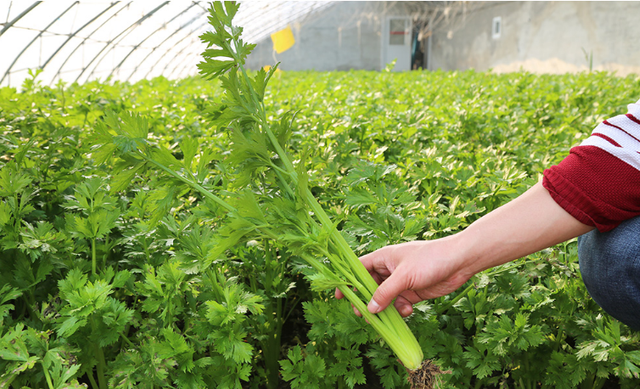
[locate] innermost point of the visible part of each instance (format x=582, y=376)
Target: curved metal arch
x=188, y=58
x=87, y=38
x=164, y=41
x=35, y=39
x=22, y=14
x=190, y=55
x=177, y=55
x=126, y=32
x=148, y=36
x=203, y=8
x=268, y=21
x=168, y=51
x=74, y=34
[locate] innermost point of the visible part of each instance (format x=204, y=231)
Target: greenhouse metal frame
x=78, y=41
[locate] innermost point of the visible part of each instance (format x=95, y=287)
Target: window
x=496, y=27
x=397, y=31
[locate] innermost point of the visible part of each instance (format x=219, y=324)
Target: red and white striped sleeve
x=598, y=183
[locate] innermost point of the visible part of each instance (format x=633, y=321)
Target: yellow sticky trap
x=266, y=68
x=283, y=40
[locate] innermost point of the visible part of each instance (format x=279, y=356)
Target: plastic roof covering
x=76, y=41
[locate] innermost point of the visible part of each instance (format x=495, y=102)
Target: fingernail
x=373, y=306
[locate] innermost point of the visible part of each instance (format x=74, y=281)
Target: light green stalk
x=388, y=323
x=47, y=377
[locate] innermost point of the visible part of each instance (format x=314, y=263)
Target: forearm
x=530, y=223
x=420, y=270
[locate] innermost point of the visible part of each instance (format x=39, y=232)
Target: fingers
x=376, y=262
x=340, y=295
x=368, y=260
x=387, y=291
x=404, y=306
x=384, y=270
x=377, y=277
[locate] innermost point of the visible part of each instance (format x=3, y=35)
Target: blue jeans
x=610, y=267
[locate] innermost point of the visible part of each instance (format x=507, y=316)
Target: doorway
x=396, y=42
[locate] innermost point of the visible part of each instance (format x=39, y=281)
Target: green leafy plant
x=388, y=156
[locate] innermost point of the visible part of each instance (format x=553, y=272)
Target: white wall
x=545, y=37
x=344, y=36
x=537, y=36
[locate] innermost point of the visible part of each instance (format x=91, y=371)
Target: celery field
x=116, y=273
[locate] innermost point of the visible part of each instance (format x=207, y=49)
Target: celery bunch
x=275, y=198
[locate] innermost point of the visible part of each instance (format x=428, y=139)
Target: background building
x=543, y=36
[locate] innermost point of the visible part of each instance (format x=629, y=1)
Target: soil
x=426, y=376
x=558, y=66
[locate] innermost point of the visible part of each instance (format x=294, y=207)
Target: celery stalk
x=245, y=111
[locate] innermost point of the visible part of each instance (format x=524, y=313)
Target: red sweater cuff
x=569, y=198
x=595, y=187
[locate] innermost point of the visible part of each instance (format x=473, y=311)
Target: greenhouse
x=319, y=194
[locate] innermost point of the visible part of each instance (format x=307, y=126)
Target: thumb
x=387, y=291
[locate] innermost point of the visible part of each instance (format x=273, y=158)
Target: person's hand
x=412, y=272
x=421, y=270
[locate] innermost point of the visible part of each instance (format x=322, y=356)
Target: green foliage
x=116, y=273
x=303, y=372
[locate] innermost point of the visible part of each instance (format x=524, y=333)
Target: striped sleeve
x=598, y=183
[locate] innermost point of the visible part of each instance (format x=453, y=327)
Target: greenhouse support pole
x=165, y=40
x=73, y=35
x=117, y=67
x=88, y=37
x=35, y=39
x=186, y=63
x=22, y=14
x=168, y=51
x=129, y=29
x=429, y=39
x=180, y=53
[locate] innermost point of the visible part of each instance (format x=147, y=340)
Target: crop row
x=113, y=277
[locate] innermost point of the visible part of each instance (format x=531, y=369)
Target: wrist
x=462, y=254
x=473, y=250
